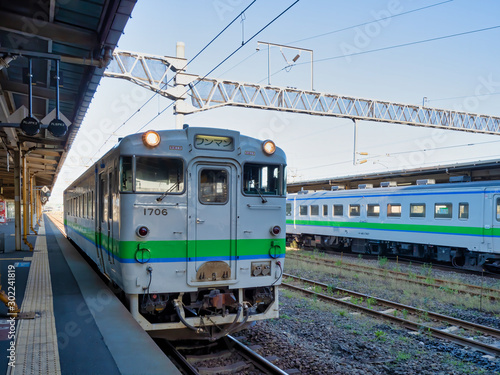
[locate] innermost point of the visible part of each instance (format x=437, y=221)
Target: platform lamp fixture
x=30, y=125
x=57, y=127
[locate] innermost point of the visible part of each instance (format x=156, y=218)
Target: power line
x=165, y=85
x=391, y=47
x=369, y=22
x=465, y=96
x=223, y=61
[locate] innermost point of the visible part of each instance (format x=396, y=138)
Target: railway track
x=228, y=354
x=426, y=281
x=482, y=338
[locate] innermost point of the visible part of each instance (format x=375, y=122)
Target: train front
x=202, y=230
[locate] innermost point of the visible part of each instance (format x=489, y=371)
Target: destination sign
x=212, y=142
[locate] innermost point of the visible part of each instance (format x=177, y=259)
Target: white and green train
x=188, y=223
x=454, y=222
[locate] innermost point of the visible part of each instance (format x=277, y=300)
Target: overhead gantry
x=167, y=77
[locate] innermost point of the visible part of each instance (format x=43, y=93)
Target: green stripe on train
x=438, y=229
x=182, y=248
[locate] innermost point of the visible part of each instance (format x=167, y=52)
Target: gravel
x=313, y=337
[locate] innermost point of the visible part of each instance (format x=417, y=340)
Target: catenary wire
x=165, y=85
x=223, y=61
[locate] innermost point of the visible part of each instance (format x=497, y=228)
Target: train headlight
x=142, y=231
x=269, y=147
x=151, y=139
x=276, y=230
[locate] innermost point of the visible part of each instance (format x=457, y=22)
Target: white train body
x=185, y=228
x=458, y=223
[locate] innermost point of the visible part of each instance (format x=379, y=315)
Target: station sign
x=57, y=128
x=30, y=126
x=3, y=211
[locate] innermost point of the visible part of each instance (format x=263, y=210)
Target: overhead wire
x=166, y=83
x=223, y=61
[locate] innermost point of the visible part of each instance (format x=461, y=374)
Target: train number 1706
x=155, y=211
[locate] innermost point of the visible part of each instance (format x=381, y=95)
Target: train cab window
x=443, y=210
x=325, y=210
x=314, y=210
x=417, y=210
x=338, y=210
x=213, y=186
x=158, y=175
x=393, y=210
x=126, y=173
x=303, y=210
x=463, y=210
x=288, y=209
x=354, y=210
x=373, y=210
x=262, y=179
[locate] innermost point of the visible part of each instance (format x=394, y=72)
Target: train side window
x=338, y=210
x=463, y=210
x=417, y=210
x=314, y=210
x=262, y=179
x=126, y=174
x=354, y=210
x=373, y=210
x=443, y=210
x=288, y=209
x=213, y=186
x=498, y=209
x=393, y=210
x=303, y=210
x=325, y=210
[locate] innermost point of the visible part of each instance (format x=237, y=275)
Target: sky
x=458, y=73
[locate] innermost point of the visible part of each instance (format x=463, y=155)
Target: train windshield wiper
x=160, y=198
x=264, y=200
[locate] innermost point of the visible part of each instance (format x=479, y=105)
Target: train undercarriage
x=458, y=257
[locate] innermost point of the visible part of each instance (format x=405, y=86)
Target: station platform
x=71, y=322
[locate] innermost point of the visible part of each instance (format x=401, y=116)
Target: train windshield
x=263, y=179
x=152, y=174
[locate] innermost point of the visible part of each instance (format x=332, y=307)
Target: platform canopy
x=81, y=35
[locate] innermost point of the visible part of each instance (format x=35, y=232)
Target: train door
x=213, y=224
x=102, y=219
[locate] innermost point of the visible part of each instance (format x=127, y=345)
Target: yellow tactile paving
x=36, y=344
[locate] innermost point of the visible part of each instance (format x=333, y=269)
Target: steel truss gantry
x=153, y=72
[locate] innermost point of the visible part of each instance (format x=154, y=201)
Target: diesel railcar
x=453, y=222
x=189, y=224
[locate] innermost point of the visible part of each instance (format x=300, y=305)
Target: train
x=189, y=224
x=456, y=223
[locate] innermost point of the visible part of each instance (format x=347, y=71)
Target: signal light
x=275, y=230
x=269, y=147
x=142, y=231
x=151, y=139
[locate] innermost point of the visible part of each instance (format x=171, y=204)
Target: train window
x=463, y=210
x=288, y=209
x=338, y=210
x=158, y=175
x=443, y=210
x=302, y=210
x=262, y=179
x=393, y=210
x=126, y=174
x=325, y=210
x=417, y=210
x=314, y=210
x=354, y=210
x=373, y=210
x=213, y=187
x=498, y=209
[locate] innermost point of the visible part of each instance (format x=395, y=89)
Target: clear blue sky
x=449, y=72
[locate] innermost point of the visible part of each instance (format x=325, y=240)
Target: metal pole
x=17, y=197
x=355, y=141
x=32, y=204
x=268, y=64
x=25, y=203
x=179, y=117
x=312, y=80
x=30, y=86
x=57, y=89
